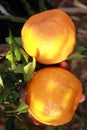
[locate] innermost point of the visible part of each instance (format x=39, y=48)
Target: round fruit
x=49, y=36
x=53, y=95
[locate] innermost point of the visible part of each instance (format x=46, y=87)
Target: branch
x=74, y=10
x=79, y=4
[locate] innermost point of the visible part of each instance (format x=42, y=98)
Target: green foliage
x=13, y=18
x=79, y=52
x=29, y=70
x=80, y=48
x=17, y=55
x=22, y=108
x=14, y=47
x=76, y=56
x=16, y=70
x=42, y=6
x=27, y=7
x=12, y=96
x=8, y=97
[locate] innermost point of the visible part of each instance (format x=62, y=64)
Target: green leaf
x=13, y=18
x=25, y=55
x=27, y=7
x=17, y=39
x=12, y=96
x=19, y=68
x=14, y=46
x=22, y=108
x=14, y=54
x=26, y=69
x=29, y=70
x=79, y=48
x=10, y=58
x=76, y=56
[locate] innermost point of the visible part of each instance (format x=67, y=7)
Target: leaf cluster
x=15, y=71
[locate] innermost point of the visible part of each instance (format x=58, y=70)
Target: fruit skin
x=53, y=95
x=49, y=36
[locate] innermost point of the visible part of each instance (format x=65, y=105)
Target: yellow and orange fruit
x=53, y=95
x=49, y=36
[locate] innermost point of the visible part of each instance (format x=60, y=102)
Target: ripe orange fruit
x=53, y=95
x=49, y=36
